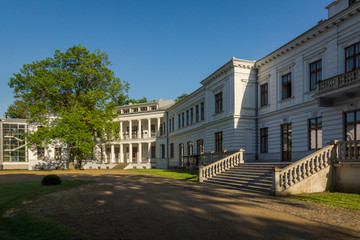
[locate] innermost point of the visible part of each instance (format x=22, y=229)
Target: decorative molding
x=265, y=78
x=285, y=68
x=311, y=55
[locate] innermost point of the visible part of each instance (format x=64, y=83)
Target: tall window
x=315, y=73
x=352, y=57
x=153, y=151
x=352, y=127
x=173, y=124
x=162, y=146
x=264, y=94
x=182, y=119
x=315, y=133
x=218, y=102
x=202, y=108
x=200, y=146
x=40, y=153
x=191, y=115
x=187, y=117
x=57, y=153
x=181, y=154
x=263, y=140
x=190, y=148
x=171, y=150
x=169, y=125
x=286, y=86
x=197, y=113
x=218, y=142
x=179, y=121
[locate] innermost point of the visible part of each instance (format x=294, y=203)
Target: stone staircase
x=250, y=176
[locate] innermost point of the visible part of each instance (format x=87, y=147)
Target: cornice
x=311, y=33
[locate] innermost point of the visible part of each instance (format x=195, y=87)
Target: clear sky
x=163, y=48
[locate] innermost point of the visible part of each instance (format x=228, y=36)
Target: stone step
x=244, y=178
x=248, y=188
x=265, y=174
x=240, y=182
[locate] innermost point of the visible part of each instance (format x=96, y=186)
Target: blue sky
x=162, y=48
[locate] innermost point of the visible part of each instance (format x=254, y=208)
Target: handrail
x=304, y=168
x=347, y=151
x=338, y=81
x=209, y=171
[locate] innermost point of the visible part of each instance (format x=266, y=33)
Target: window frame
x=264, y=140
x=355, y=58
x=316, y=128
x=40, y=153
x=316, y=71
x=219, y=141
x=264, y=95
x=286, y=86
x=355, y=123
x=219, y=102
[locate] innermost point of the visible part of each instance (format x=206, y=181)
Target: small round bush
x=51, y=179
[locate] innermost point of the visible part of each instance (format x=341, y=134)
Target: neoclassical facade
x=282, y=107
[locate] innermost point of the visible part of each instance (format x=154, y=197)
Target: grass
x=177, y=174
x=17, y=224
x=336, y=199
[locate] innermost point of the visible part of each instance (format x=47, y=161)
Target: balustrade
x=338, y=81
x=220, y=166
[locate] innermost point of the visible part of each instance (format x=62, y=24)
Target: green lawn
x=345, y=200
x=177, y=174
x=17, y=224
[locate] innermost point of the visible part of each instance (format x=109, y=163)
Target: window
x=315, y=133
x=352, y=127
x=153, y=151
x=200, y=146
x=13, y=140
x=190, y=148
x=179, y=121
x=143, y=109
x=126, y=110
x=286, y=86
x=351, y=2
x=352, y=57
x=191, y=115
x=218, y=142
x=171, y=150
x=134, y=110
x=40, y=153
x=218, y=103
x=169, y=125
x=315, y=74
x=162, y=146
x=264, y=94
x=173, y=124
x=263, y=140
x=183, y=119
x=202, y=108
x=187, y=117
x=197, y=113
x=181, y=154
x=57, y=154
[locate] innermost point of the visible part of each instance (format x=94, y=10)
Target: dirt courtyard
x=130, y=205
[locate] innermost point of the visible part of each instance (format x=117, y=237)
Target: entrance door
x=286, y=142
x=135, y=152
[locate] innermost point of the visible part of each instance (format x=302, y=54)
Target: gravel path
x=131, y=205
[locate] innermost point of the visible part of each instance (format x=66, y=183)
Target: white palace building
x=280, y=108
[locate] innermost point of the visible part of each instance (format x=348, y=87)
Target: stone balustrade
x=220, y=166
x=302, y=169
x=338, y=81
x=348, y=151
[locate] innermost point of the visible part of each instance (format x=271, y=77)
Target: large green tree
x=72, y=96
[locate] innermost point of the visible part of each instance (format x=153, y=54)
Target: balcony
x=346, y=85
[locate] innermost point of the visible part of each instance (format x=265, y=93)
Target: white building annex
x=281, y=108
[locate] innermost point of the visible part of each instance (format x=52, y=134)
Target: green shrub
x=51, y=179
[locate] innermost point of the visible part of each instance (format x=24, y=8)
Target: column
x=149, y=127
x=130, y=152
x=139, y=153
x=139, y=129
x=103, y=154
x=121, y=130
x=149, y=152
x=158, y=127
x=112, y=155
x=121, y=153
x=130, y=129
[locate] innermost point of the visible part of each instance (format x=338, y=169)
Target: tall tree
x=17, y=110
x=72, y=96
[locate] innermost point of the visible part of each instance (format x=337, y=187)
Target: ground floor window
x=315, y=133
x=40, y=153
x=57, y=154
x=190, y=148
x=263, y=140
x=162, y=146
x=218, y=142
x=171, y=150
x=153, y=152
x=352, y=125
x=200, y=146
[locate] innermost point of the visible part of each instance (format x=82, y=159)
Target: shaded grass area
x=17, y=224
x=177, y=174
x=336, y=199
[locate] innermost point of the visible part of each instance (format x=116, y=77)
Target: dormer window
x=134, y=110
x=153, y=107
x=143, y=109
x=126, y=110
